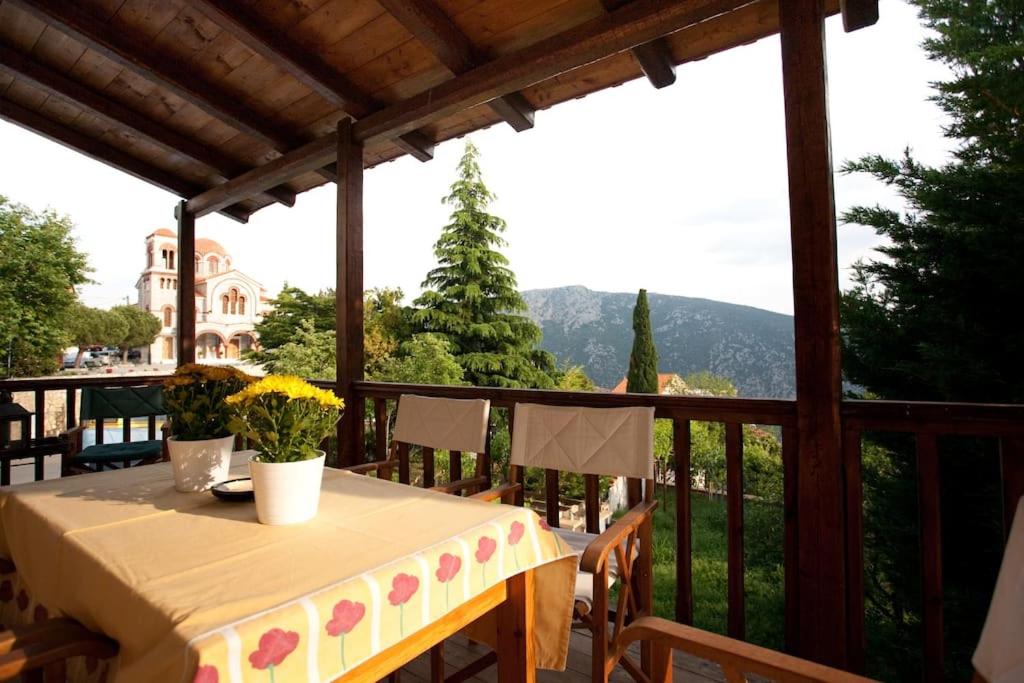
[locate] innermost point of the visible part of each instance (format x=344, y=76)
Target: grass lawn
x=763, y=539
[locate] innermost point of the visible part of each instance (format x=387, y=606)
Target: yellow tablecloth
x=196, y=589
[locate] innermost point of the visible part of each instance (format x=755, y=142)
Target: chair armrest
x=505, y=492
x=32, y=647
x=461, y=485
x=734, y=656
x=368, y=467
x=596, y=554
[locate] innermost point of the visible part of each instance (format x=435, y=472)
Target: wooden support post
x=349, y=292
x=186, y=331
x=821, y=526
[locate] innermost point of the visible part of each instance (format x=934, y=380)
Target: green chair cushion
x=121, y=402
x=117, y=452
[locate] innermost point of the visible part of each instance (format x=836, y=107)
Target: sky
x=680, y=191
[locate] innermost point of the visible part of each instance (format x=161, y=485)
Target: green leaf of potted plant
x=200, y=445
x=285, y=419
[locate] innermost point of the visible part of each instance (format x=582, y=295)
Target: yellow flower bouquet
x=194, y=398
x=284, y=418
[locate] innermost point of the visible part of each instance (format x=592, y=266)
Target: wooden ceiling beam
x=858, y=14
x=654, y=58
x=93, y=148
x=635, y=24
x=304, y=65
x=126, y=50
x=431, y=26
x=310, y=156
x=60, y=86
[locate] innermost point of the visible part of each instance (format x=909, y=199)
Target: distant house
x=668, y=383
x=228, y=303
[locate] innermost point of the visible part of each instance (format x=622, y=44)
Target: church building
x=228, y=302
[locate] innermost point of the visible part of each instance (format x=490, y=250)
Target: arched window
x=161, y=283
x=224, y=304
x=234, y=301
x=168, y=311
x=198, y=264
x=170, y=259
x=213, y=265
x=149, y=257
x=241, y=305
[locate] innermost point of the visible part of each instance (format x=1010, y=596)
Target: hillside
x=750, y=346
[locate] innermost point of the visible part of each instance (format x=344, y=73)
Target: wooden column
x=349, y=292
x=821, y=627
x=185, y=348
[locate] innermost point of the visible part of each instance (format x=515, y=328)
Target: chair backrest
x=594, y=442
x=456, y=425
x=100, y=403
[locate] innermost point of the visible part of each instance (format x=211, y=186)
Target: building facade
x=228, y=303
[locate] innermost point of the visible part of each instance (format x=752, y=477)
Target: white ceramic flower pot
x=198, y=465
x=286, y=492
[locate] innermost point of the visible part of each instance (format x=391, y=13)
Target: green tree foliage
x=706, y=383
x=642, y=377
x=425, y=359
x=310, y=353
x=40, y=266
x=290, y=308
x=140, y=328
x=471, y=299
x=94, y=327
x=386, y=326
x=932, y=319
x=573, y=378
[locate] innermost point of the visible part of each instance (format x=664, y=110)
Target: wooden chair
x=39, y=652
x=457, y=425
x=100, y=404
x=593, y=442
x=738, y=659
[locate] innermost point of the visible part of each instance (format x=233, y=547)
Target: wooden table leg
x=516, y=656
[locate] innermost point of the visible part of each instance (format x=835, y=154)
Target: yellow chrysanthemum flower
x=289, y=386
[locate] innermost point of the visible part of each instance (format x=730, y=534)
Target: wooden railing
x=927, y=422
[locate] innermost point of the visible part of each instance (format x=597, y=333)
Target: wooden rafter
x=635, y=24
x=858, y=14
x=304, y=65
x=112, y=156
x=58, y=85
x=435, y=29
x=654, y=58
x=129, y=52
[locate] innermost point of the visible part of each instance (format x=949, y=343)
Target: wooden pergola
x=235, y=106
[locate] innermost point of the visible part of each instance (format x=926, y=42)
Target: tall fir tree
x=471, y=299
x=643, y=359
x=932, y=319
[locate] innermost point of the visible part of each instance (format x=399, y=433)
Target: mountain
x=750, y=346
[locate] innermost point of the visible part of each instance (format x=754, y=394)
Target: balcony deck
x=459, y=652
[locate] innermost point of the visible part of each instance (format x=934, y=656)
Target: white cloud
x=682, y=190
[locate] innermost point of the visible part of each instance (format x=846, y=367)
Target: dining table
x=193, y=588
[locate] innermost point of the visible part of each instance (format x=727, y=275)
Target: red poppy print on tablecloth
x=448, y=566
x=207, y=674
x=515, y=535
x=485, y=547
x=22, y=600
x=275, y=645
x=547, y=527
x=347, y=615
x=403, y=587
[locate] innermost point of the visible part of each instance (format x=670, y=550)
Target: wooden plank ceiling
x=189, y=94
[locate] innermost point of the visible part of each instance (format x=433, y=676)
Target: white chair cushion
x=578, y=542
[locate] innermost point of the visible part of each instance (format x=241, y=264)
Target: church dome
x=207, y=246
x=163, y=232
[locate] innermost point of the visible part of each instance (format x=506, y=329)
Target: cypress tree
x=643, y=359
x=471, y=299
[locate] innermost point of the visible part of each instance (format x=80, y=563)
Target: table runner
x=196, y=589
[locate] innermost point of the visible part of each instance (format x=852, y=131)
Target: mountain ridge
x=750, y=346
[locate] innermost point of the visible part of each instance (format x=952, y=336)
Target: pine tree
x=470, y=298
x=643, y=359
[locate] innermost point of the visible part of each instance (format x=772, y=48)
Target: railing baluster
x=380, y=429
x=1011, y=460
x=857, y=643
x=428, y=467
x=454, y=466
x=931, y=555
x=40, y=417
x=483, y=460
x=790, y=542
x=734, y=517
x=99, y=430
x=70, y=396
x=403, y=462
x=592, y=499
x=515, y=472
x=684, y=531
x=126, y=429
x=551, y=501
x=151, y=428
